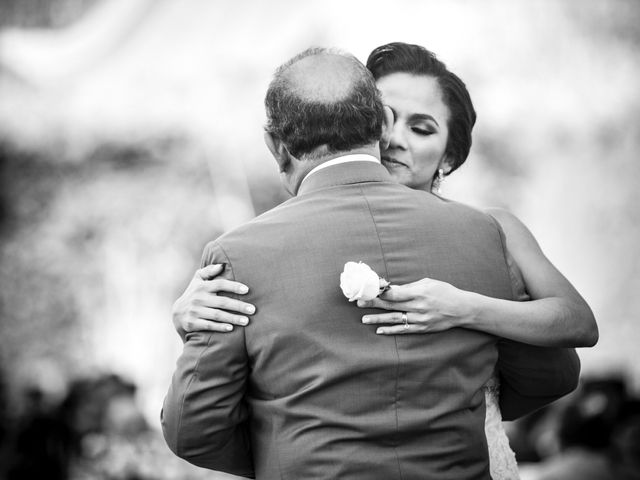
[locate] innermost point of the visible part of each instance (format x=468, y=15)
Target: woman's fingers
x=399, y=297
x=212, y=319
x=212, y=284
x=210, y=271
x=394, y=323
x=393, y=317
x=201, y=308
x=382, y=304
x=401, y=329
x=199, y=325
x=400, y=293
x=226, y=303
x=224, y=285
x=216, y=315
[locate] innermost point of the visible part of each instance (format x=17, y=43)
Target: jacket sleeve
x=532, y=377
x=205, y=418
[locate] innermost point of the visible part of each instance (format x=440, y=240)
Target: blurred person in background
x=625, y=441
x=431, y=137
x=52, y=439
x=597, y=432
x=94, y=431
x=42, y=441
x=112, y=439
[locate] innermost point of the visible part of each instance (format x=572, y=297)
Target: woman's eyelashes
x=421, y=130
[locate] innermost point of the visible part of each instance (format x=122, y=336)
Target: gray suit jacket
x=306, y=391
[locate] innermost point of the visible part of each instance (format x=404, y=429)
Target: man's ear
x=278, y=150
x=387, y=127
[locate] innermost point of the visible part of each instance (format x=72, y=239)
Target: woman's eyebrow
x=423, y=116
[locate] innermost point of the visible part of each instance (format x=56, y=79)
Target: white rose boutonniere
x=359, y=282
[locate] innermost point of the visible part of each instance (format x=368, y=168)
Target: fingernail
x=365, y=319
x=243, y=321
x=228, y=328
x=250, y=309
x=379, y=331
x=243, y=289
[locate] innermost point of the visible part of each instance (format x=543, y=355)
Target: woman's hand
x=201, y=308
x=556, y=316
x=430, y=306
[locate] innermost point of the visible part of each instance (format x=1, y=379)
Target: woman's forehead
x=413, y=94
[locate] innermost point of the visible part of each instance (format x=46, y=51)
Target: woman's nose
x=398, y=138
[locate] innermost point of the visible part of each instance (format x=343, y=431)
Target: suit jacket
x=306, y=390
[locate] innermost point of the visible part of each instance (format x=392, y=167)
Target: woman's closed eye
x=422, y=130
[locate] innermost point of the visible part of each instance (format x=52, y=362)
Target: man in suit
x=307, y=391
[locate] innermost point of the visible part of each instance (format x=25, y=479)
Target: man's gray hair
x=339, y=107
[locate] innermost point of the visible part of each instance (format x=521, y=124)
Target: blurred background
x=131, y=134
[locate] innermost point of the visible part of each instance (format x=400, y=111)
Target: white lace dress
x=502, y=460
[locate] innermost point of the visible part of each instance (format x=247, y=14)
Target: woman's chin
x=397, y=171
x=402, y=179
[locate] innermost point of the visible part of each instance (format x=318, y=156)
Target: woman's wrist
x=470, y=308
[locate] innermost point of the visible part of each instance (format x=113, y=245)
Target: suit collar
x=344, y=174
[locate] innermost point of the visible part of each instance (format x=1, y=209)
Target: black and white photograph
x=355, y=240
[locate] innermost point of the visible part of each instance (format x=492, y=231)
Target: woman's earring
x=436, y=187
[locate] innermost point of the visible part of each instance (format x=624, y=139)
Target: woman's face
x=420, y=132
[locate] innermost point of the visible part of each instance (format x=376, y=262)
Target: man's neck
x=309, y=167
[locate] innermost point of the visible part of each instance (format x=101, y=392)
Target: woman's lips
x=392, y=161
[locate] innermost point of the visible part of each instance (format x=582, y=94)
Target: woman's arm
x=556, y=316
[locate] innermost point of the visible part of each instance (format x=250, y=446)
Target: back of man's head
x=323, y=102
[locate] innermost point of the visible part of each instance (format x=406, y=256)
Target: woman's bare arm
x=556, y=316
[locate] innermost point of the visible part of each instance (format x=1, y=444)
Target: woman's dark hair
x=401, y=57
